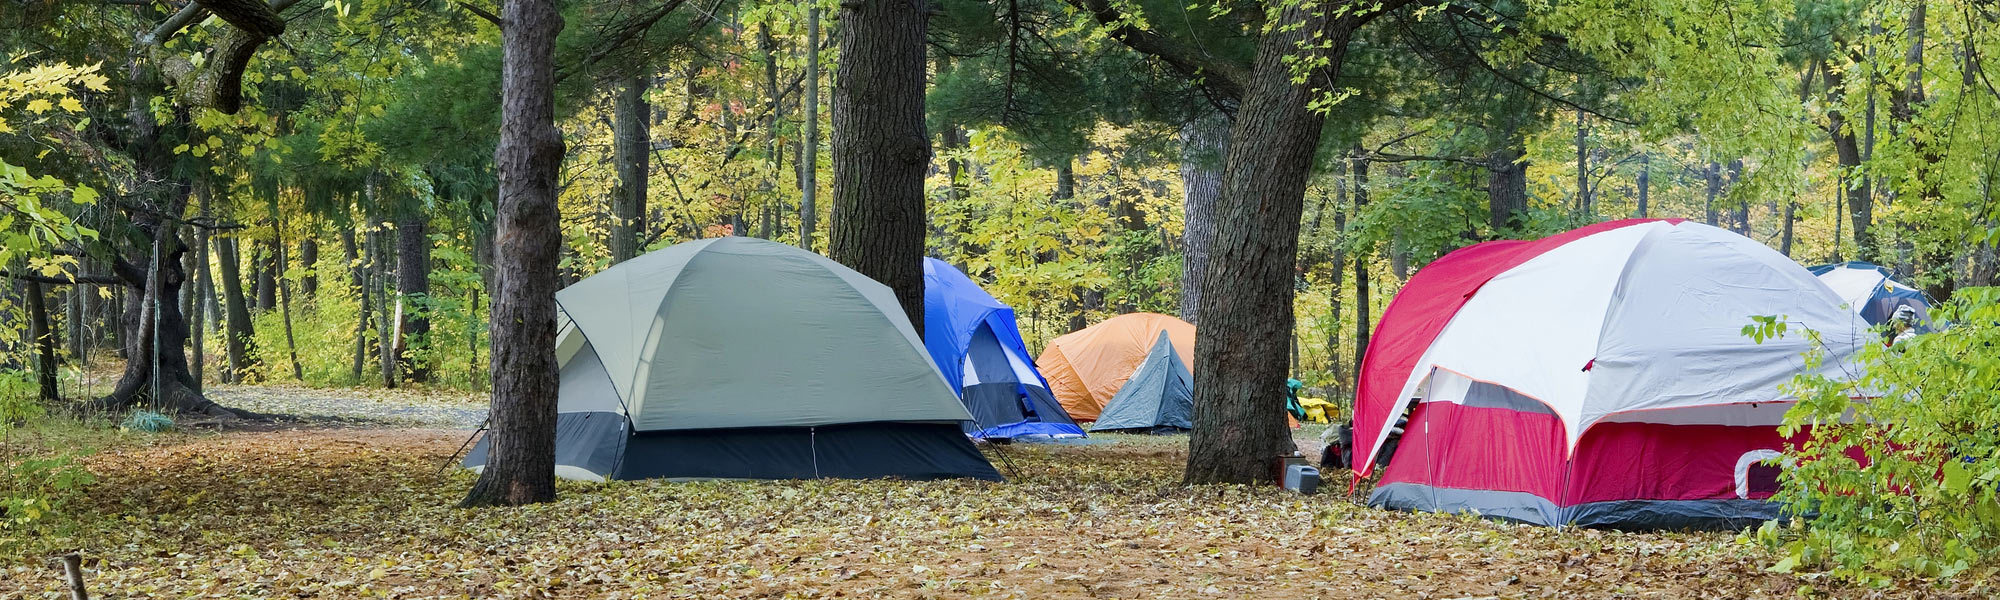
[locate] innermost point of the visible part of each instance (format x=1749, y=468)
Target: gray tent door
x=1159, y=398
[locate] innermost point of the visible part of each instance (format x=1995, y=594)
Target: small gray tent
x=1159, y=398
x=740, y=358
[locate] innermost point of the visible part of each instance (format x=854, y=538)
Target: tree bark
x=1204, y=147
x=1712, y=176
x=386, y=327
x=1363, y=312
x=285, y=302
x=520, y=465
x=413, y=288
x=1848, y=152
x=44, y=339
x=1506, y=187
x=309, y=263
x=357, y=268
x=631, y=149
x=809, y=147
x=264, y=263
x=1339, y=268
x=880, y=150
x=239, y=334
x=1240, y=350
x=1582, y=166
x=1645, y=181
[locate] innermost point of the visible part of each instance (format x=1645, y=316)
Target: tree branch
x=481, y=13
x=1222, y=78
x=1383, y=157
x=67, y=279
x=631, y=29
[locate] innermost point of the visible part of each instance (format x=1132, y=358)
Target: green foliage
x=19, y=398
x=1925, y=416
x=36, y=497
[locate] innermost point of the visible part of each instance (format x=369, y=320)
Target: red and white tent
x=1599, y=377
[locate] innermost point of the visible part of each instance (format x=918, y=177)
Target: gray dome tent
x=742, y=358
x=1159, y=398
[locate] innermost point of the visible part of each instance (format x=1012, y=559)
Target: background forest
x=319, y=206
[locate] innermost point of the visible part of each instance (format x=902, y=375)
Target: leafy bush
x=19, y=398
x=35, y=499
x=1924, y=501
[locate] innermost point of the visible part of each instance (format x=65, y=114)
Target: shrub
x=1923, y=500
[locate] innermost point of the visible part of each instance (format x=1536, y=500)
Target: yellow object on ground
x=1318, y=410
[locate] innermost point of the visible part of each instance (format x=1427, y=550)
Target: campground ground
x=348, y=499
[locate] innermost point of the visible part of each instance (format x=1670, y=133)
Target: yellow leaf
x=71, y=105
x=39, y=106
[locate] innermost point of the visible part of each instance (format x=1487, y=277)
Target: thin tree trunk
x=1740, y=221
x=1582, y=166
x=809, y=155
x=880, y=150
x=1363, y=312
x=309, y=263
x=240, y=335
x=1240, y=371
x=357, y=268
x=1712, y=176
x=387, y=327
x=1645, y=181
x=44, y=339
x=1850, y=156
x=631, y=149
x=413, y=288
x=1204, y=148
x=1339, y=268
x=285, y=303
x=264, y=263
x=203, y=293
x=520, y=464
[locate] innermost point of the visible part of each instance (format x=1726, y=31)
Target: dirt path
x=356, y=408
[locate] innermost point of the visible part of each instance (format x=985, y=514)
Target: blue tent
x=975, y=342
x=1871, y=291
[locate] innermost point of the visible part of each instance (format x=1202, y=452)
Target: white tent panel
x=1674, y=338
x=1854, y=286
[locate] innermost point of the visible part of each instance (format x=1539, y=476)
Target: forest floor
x=351, y=504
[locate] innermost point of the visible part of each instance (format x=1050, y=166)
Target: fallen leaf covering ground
x=365, y=514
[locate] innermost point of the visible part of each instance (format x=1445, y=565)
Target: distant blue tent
x=1871, y=291
x=976, y=343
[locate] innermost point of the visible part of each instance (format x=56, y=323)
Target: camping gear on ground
x=1158, y=398
x=1302, y=478
x=976, y=343
x=1086, y=367
x=1338, y=441
x=1292, y=406
x=1599, y=377
x=1318, y=410
x=1870, y=291
x=737, y=357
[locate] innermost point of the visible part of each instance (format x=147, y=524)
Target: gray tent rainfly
x=1159, y=398
x=740, y=358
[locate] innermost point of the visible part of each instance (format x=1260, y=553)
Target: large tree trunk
x=240, y=336
x=44, y=339
x=1204, y=147
x=631, y=147
x=1240, y=350
x=520, y=464
x=809, y=147
x=1506, y=187
x=880, y=150
x=413, y=288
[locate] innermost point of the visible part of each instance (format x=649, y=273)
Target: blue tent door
x=1002, y=404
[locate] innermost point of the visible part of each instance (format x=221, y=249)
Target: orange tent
x=1085, y=368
